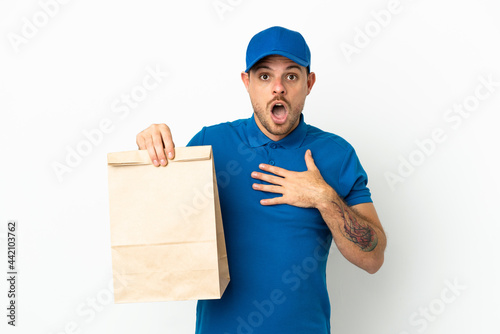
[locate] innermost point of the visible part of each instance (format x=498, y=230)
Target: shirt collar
x=257, y=138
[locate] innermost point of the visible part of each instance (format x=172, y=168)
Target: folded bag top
x=141, y=157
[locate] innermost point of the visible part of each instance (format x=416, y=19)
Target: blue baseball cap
x=278, y=41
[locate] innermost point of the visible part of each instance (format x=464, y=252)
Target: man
x=285, y=189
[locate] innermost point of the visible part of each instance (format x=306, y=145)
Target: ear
x=245, y=77
x=311, y=79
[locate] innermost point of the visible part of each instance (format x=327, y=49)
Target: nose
x=278, y=87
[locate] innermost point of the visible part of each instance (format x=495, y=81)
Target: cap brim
x=297, y=60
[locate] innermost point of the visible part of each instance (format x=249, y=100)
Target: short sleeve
x=353, y=180
x=198, y=138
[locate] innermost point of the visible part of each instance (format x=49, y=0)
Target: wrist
x=329, y=195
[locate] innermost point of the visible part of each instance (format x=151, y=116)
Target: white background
x=441, y=222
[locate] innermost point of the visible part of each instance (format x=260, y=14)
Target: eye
x=291, y=77
x=264, y=76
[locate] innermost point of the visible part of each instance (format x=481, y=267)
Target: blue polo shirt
x=277, y=254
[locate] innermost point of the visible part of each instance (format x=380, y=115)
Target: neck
x=274, y=137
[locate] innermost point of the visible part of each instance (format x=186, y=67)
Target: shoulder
x=332, y=141
x=342, y=169
x=227, y=126
x=218, y=133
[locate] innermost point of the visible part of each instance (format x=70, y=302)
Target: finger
x=268, y=188
x=145, y=142
x=273, y=201
x=159, y=148
x=167, y=141
x=310, y=161
x=268, y=178
x=273, y=169
x=141, y=143
x=151, y=151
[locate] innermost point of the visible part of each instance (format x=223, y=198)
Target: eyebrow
x=294, y=66
x=259, y=67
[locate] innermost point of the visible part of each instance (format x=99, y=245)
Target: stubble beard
x=278, y=129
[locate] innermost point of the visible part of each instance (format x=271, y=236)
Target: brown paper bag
x=167, y=239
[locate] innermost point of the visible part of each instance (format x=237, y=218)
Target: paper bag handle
x=141, y=157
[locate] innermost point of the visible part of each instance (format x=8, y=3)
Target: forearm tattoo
x=361, y=234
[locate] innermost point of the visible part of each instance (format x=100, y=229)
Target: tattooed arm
x=356, y=230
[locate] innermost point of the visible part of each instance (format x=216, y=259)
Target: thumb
x=310, y=161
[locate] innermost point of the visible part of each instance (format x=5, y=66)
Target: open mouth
x=279, y=112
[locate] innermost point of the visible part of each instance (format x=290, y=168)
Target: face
x=278, y=88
